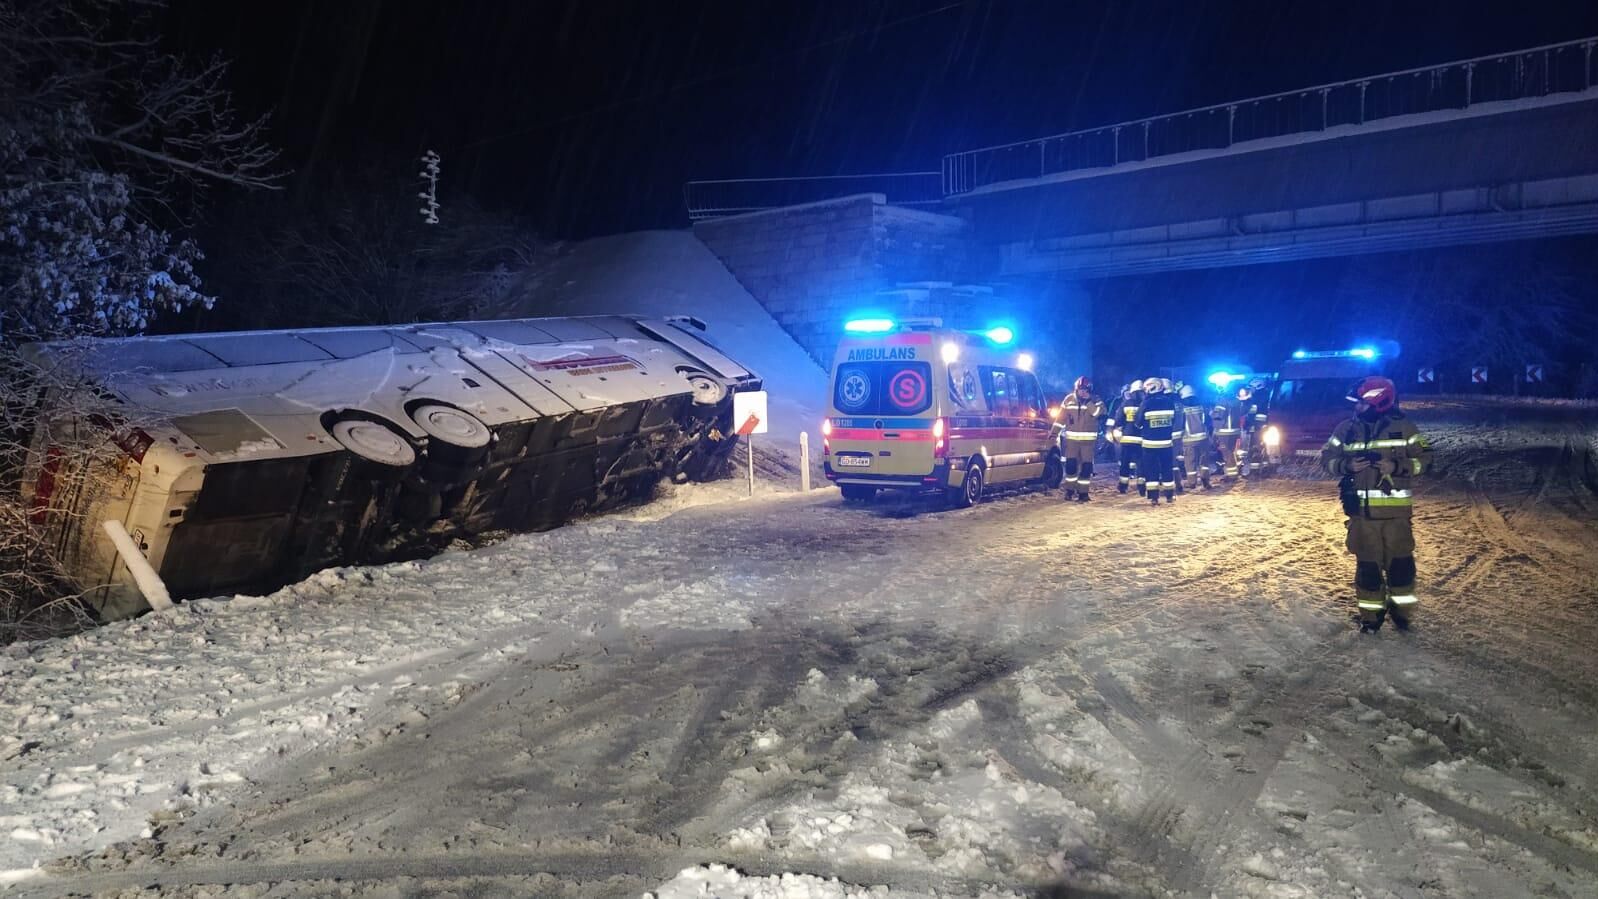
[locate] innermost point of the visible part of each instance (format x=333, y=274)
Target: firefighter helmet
x=1379, y=393
x=1186, y=392
x=1152, y=385
x=1245, y=394
x=1257, y=385
x=1165, y=385
x=1083, y=383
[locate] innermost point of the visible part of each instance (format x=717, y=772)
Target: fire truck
x=1310, y=398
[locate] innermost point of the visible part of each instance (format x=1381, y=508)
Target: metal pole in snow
x=804, y=461
x=144, y=576
x=751, y=447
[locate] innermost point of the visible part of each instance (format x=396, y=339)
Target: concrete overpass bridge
x=1496, y=148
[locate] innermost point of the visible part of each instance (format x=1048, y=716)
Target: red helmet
x=1379, y=393
x=1083, y=383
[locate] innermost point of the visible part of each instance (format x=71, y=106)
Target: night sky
x=588, y=115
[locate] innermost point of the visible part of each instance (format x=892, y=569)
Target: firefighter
x=1246, y=410
x=1226, y=419
x=1178, y=472
x=1194, y=429
x=1129, y=440
x=1156, y=419
x=1255, y=418
x=1080, y=416
x=1377, y=454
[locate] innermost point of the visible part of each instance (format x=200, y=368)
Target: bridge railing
x=735, y=196
x=1537, y=72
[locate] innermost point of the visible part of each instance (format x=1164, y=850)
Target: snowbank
x=664, y=273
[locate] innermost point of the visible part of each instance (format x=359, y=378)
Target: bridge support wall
x=814, y=266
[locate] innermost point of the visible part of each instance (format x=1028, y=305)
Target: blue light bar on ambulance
x=1000, y=334
x=1222, y=378
x=869, y=325
x=1359, y=352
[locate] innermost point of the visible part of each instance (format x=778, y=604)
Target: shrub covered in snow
x=107, y=146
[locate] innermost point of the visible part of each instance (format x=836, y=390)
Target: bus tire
x=707, y=390
x=858, y=493
x=376, y=444
x=1053, y=471
x=455, y=439
x=969, y=493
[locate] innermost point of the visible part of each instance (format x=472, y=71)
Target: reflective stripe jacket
x=1195, y=423
x=1080, y=418
x=1128, y=420
x=1253, y=414
x=1391, y=438
x=1228, y=418
x=1157, y=420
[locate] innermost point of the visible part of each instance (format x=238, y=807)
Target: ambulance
x=920, y=407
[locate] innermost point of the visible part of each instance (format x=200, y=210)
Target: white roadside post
x=144, y=575
x=804, y=461
x=749, y=410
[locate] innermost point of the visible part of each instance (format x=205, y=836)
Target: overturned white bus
x=249, y=460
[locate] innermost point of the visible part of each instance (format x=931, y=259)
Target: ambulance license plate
x=854, y=461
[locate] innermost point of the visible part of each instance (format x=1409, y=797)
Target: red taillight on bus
x=940, y=442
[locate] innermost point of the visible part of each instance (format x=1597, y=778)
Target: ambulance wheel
x=1053, y=471
x=969, y=493
x=857, y=493
x=376, y=444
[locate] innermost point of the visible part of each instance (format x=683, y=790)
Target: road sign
x=1478, y=374
x=1534, y=374
x=1427, y=375
x=749, y=412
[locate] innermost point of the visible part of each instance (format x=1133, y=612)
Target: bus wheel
x=374, y=442
x=969, y=493
x=1053, y=471
x=857, y=493
x=707, y=390
x=451, y=432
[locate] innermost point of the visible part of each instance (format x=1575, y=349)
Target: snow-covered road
x=1109, y=699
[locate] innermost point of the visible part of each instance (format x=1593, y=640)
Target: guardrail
x=736, y=196
x=1537, y=72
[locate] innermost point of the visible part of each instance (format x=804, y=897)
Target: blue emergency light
x=1222, y=378
x=869, y=325
x=1000, y=335
x=1359, y=352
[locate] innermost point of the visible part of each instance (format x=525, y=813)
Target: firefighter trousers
x=1384, y=566
x=1078, y=465
x=1159, y=462
x=1226, y=446
x=1130, y=455
x=1194, y=467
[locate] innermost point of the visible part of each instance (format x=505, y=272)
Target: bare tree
x=108, y=146
x=1501, y=307
x=361, y=255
